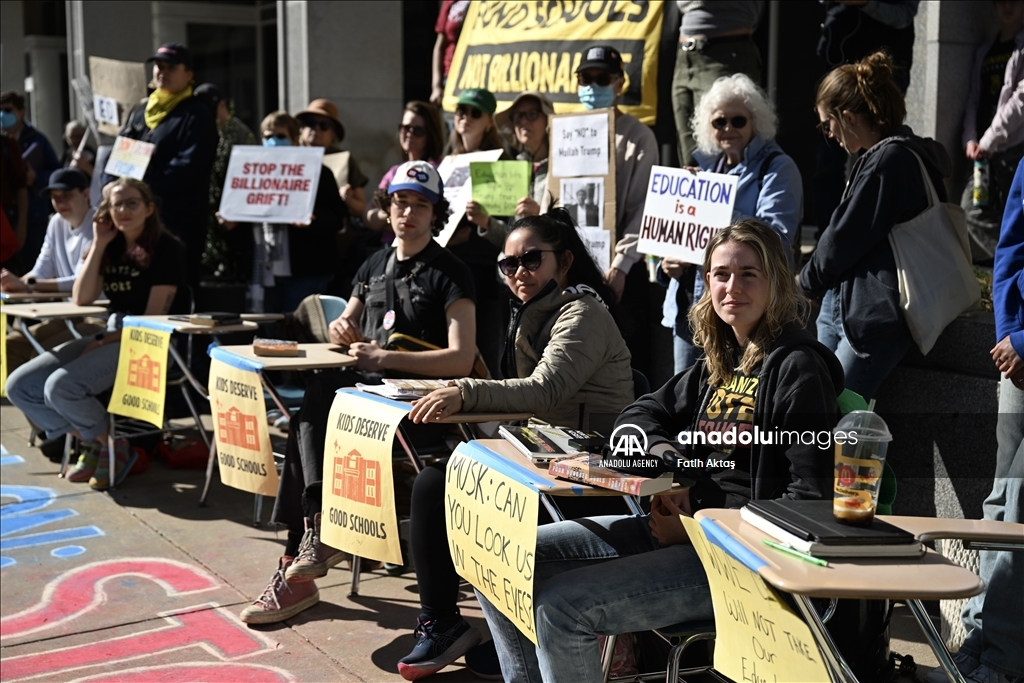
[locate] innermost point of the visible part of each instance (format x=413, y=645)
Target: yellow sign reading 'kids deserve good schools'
x=758, y=637
x=141, y=371
x=490, y=512
x=239, y=411
x=509, y=47
x=359, y=494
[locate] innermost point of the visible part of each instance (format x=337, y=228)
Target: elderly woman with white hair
x=734, y=128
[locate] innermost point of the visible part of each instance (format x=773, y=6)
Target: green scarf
x=161, y=103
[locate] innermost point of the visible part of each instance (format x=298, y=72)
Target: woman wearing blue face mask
x=293, y=261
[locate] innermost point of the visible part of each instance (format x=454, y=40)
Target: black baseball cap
x=65, y=179
x=209, y=93
x=173, y=53
x=604, y=57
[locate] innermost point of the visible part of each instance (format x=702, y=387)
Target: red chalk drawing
x=188, y=672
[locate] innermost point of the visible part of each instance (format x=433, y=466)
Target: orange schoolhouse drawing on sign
x=144, y=373
x=357, y=479
x=238, y=429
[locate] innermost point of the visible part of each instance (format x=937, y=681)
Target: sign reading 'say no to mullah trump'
x=683, y=212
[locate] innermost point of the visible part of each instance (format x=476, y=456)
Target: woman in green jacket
x=567, y=362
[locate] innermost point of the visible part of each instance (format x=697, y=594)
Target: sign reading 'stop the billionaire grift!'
x=271, y=184
x=683, y=212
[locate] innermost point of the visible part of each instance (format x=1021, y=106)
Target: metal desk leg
x=467, y=432
x=838, y=669
x=257, y=511
x=549, y=505
x=71, y=327
x=935, y=640
x=68, y=441
x=272, y=390
x=111, y=438
x=209, y=473
x=633, y=503
x=23, y=328
x=409, y=449
x=356, y=569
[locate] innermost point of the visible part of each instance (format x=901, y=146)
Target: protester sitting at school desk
x=526, y=123
x=853, y=270
x=185, y=134
x=292, y=261
x=758, y=358
x=140, y=267
x=565, y=361
x=421, y=137
x=601, y=81
x=67, y=242
x=734, y=130
x=438, y=288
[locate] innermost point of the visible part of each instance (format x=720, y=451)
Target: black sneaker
x=440, y=643
x=482, y=660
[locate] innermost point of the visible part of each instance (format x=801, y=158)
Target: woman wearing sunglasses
x=734, y=129
x=566, y=362
x=421, y=137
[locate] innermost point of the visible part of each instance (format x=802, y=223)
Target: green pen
x=795, y=553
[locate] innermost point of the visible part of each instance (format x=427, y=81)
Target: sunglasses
x=465, y=111
x=319, y=124
x=414, y=131
x=602, y=79
x=530, y=115
x=530, y=260
x=736, y=122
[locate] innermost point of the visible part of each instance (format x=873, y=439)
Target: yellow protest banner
x=509, y=47
x=758, y=637
x=359, y=493
x=3, y=354
x=244, y=455
x=491, y=518
x=141, y=371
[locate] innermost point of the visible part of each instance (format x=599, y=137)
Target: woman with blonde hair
x=761, y=370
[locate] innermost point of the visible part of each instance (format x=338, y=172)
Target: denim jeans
x=866, y=371
x=989, y=618
x=57, y=390
x=684, y=353
x=599, y=575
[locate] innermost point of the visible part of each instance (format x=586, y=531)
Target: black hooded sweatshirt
x=798, y=383
x=853, y=254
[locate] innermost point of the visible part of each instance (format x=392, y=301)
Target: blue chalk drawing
x=28, y=513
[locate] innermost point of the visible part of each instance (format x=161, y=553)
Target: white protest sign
x=271, y=184
x=105, y=109
x=598, y=241
x=683, y=212
x=129, y=158
x=579, y=145
x=458, y=187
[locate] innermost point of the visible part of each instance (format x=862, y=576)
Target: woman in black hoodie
x=853, y=271
x=720, y=424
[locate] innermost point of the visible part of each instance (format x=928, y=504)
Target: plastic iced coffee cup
x=861, y=439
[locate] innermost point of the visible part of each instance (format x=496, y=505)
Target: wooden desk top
x=311, y=357
x=53, y=310
x=931, y=528
x=929, y=577
x=185, y=327
x=476, y=418
x=25, y=297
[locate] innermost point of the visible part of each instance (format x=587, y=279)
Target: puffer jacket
x=567, y=359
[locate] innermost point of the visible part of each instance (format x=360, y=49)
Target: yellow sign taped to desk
x=758, y=637
x=3, y=354
x=359, y=514
x=141, y=374
x=244, y=455
x=509, y=47
x=491, y=520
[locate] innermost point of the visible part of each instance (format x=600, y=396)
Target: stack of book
x=587, y=468
x=403, y=389
x=542, y=444
x=809, y=526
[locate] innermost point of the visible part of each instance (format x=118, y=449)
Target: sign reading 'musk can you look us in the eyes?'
x=359, y=494
x=239, y=411
x=141, y=371
x=683, y=211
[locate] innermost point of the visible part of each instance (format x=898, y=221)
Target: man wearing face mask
x=601, y=82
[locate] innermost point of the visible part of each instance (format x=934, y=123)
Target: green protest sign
x=499, y=185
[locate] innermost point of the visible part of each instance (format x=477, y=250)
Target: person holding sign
x=431, y=294
x=138, y=265
x=853, y=270
x=734, y=128
x=565, y=361
x=758, y=358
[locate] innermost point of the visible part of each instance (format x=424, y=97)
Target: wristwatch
x=30, y=282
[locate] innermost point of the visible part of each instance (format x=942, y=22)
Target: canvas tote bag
x=933, y=266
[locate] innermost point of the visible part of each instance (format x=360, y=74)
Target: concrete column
x=12, y=46
x=350, y=53
x=46, y=104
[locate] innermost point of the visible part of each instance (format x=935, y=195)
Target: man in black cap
x=184, y=131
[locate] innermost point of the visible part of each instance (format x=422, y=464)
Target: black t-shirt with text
x=127, y=284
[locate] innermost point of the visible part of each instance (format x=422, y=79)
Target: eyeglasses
x=530, y=260
x=736, y=122
x=276, y=136
x=129, y=205
x=602, y=79
x=465, y=111
x=322, y=125
x=414, y=131
x=530, y=115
